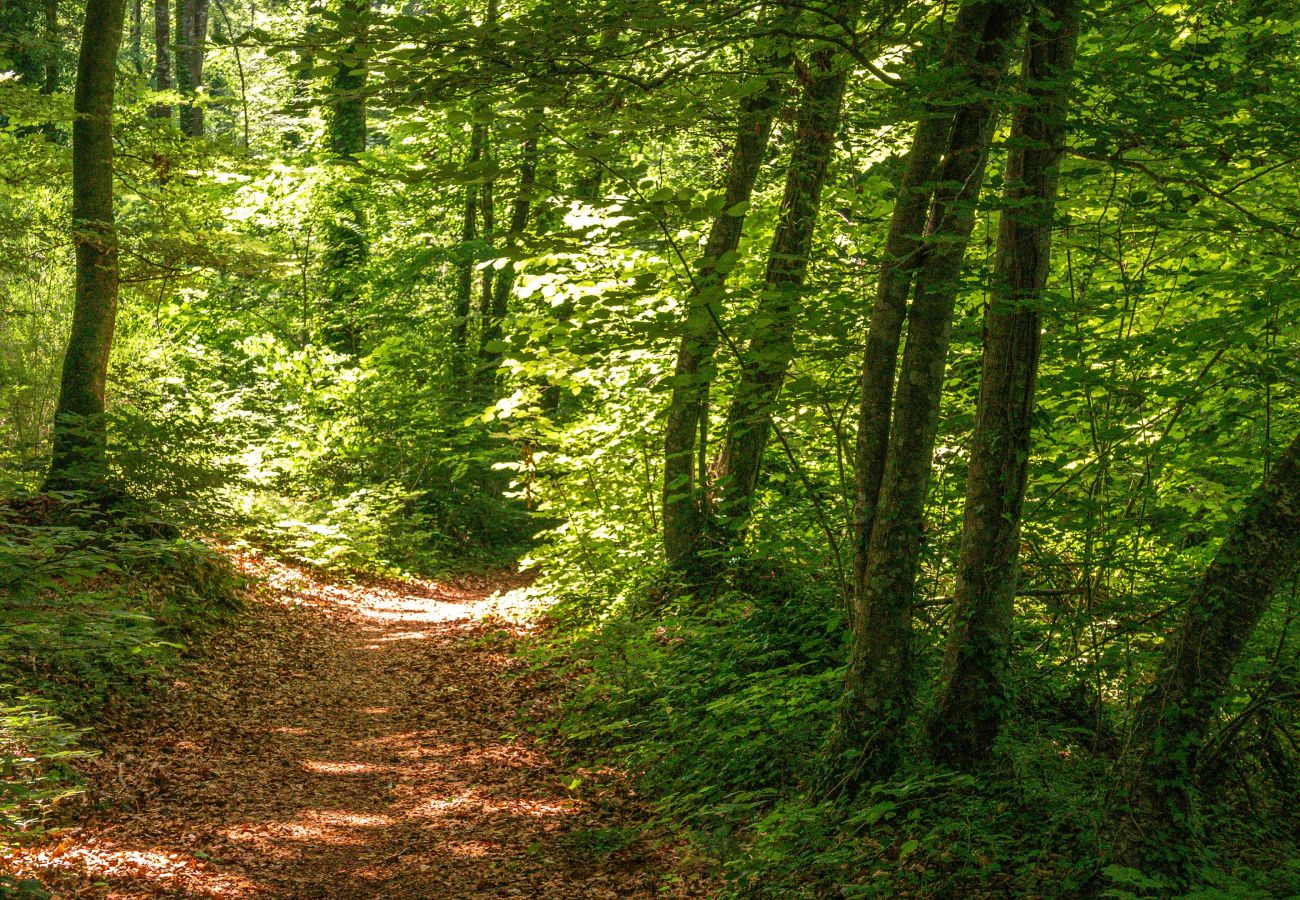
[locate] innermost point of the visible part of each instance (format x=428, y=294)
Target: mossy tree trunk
x=879, y=682
x=771, y=346
x=347, y=247
x=684, y=493
x=973, y=696
x=78, y=461
x=162, y=57
x=191, y=47
x=1154, y=812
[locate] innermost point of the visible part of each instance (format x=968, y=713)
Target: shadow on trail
x=348, y=740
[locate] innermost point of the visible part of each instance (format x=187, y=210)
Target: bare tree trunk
x=771, y=348
x=504, y=282
x=137, y=44
x=685, y=502
x=346, y=245
x=162, y=57
x=191, y=46
x=879, y=681
x=972, y=696
x=1154, y=812
x=78, y=460
x=51, y=81
x=465, y=268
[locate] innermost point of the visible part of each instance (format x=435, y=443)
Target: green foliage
x=258, y=391
x=92, y=614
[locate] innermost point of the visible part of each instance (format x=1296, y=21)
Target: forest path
x=353, y=741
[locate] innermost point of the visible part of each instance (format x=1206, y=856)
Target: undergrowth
x=720, y=707
x=94, y=610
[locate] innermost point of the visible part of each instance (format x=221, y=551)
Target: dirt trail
x=349, y=741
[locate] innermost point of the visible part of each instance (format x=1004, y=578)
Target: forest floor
x=351, y=740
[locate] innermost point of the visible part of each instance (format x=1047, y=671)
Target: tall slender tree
x=346, y=243
x=191, y=48
x=771, y=347
x=465, y=266
x=879, y=680
x=137, y=38
x=973, y=690
x=162, y=57
x=51, y=83
x=78, y=461
x=685, y=500
x=503, y=283
x=1154, y=811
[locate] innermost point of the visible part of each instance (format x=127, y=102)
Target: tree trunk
x=346, y=244
x=345, y=109
x=685, y=505
x=487, y=216
x=78, y=461
x=972, y=696
x=504, y=282
x=465, y=268
x=162, y=58
x=879, y=682
x=137, y=42
x=1154, y=812
x=51, y=81
x=771, y=348
x=900, y=258
x=191, y=45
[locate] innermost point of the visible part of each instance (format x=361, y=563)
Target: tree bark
x=162, y=57
x=685, y=503
x=465, y=267
x=771, y=348
x=972, y=696
x=346, y=245
x=879, y=681
x=51, y=80
x=191, y=45
x=900, y=258
x=487, y=216
x=1154, y=813
x=504, y=281
x=78, y=461
x=137, y=39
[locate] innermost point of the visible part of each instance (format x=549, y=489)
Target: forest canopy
x=895, y=407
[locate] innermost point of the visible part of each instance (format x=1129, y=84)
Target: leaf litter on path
x=350, y=739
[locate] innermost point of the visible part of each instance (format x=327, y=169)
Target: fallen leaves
x=348, y=739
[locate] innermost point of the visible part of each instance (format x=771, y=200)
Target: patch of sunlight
x=350, y=820
x=514, y=806
x=341, y=768
x=167, y=870
x=406, y=636
x=300, y=833
x=413, y=745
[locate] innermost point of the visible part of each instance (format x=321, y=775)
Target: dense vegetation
x=900, y=403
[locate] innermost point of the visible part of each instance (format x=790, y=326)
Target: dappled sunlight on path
x=349, y=740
